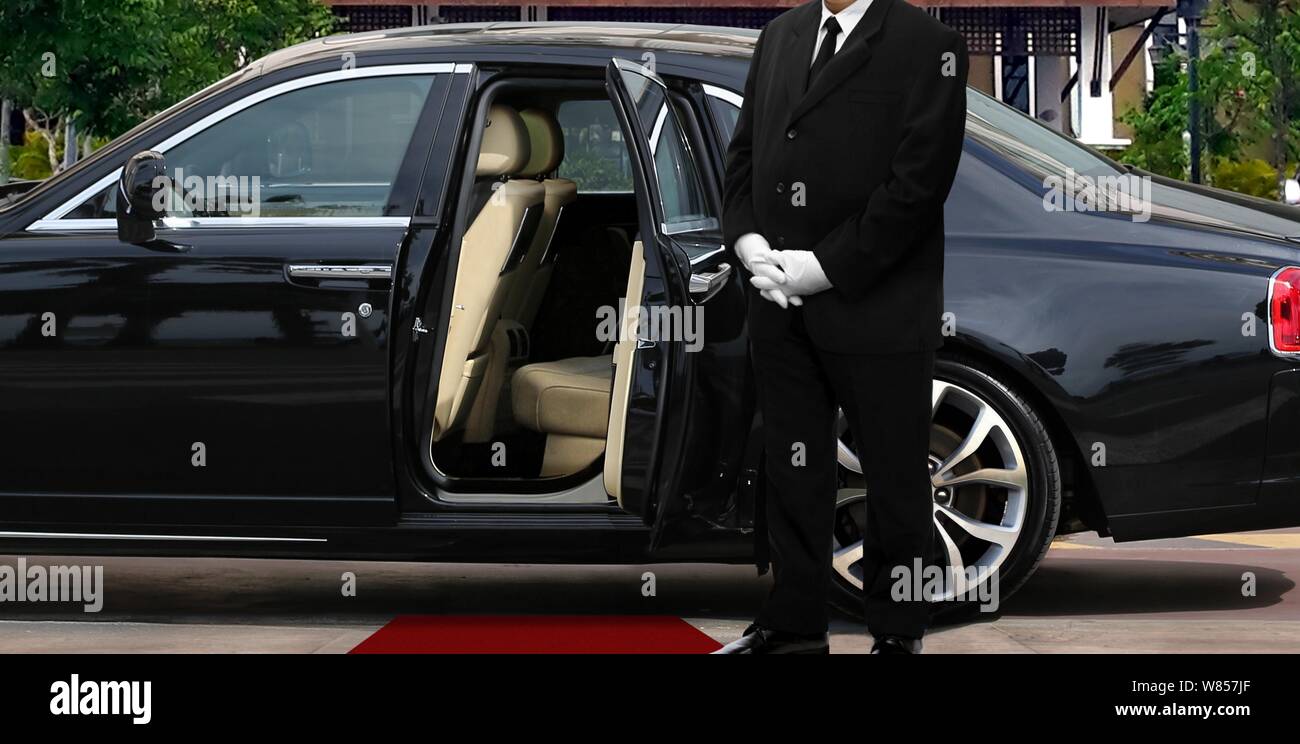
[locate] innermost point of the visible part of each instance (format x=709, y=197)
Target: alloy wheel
x=978, y=485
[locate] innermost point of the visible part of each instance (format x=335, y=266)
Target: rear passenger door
x=678, y=421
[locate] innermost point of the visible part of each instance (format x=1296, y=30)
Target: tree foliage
x=108, y=64
x=1248, y=91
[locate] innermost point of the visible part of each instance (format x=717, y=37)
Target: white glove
x=801, y=274
x=773, y=275
x=752, y=249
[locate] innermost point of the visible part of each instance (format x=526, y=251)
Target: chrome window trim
x=628, y=65
x=120, y=536
x=216, y=117
x=685, y=226
x=188, y=223
x=730, y=96
x=706, y=256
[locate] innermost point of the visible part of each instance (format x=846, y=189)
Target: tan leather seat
x=568, y=400
x=524, y=288
x=530, y=281
x=489, y=252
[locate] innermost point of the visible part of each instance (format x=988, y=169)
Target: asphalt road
x=1090, y=595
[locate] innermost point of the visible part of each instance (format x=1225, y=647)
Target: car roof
x=664, y=37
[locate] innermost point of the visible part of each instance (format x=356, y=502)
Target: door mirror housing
x=140, y=196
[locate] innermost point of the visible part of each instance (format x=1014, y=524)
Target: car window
x=725, y=114
x=100, y=206
x=595, y=155
x=330, y=150
x=681, y=191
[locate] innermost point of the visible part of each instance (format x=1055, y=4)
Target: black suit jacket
x=856, y=169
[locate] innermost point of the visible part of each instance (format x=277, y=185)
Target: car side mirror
x=142, y=199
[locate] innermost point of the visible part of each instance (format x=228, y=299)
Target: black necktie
x=827, y=50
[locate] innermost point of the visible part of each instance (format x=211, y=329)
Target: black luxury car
x=375, y=309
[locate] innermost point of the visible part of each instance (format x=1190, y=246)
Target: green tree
x=1248, y=93
x=1159, y=123
x=1264, y=38
x=105, y=65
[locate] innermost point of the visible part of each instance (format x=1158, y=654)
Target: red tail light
x=1284, y=310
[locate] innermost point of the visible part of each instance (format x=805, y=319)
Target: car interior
x=525, y=385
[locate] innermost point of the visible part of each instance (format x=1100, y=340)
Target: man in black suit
x=843, y=155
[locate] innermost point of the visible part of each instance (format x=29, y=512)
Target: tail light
x=1284, y=310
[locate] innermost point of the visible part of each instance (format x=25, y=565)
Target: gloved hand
x=752, y=249
x=773, y=274
x=801, y=274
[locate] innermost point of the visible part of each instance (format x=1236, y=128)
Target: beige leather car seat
x=491, y=249
x=580, y=403
x=568, y=400
x=523, y=288
x=533, y=276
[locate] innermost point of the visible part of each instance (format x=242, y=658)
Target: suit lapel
x=799, y=49
x=854, y=54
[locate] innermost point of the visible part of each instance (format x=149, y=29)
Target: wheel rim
x=979, y=488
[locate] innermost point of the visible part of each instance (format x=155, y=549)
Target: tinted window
x=725, y=114
x=329, y=150
x=595, y=155
x=100, y=206
x=681, y=192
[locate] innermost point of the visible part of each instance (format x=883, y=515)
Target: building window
x=734, y=17
x=1017, y=31
x=477, y=13
x=1017, y=81
x=357, y=18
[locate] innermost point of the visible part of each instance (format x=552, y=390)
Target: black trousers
x=886, y=400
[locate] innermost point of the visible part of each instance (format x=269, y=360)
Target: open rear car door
x=667, y=458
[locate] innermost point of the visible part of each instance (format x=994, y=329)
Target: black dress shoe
x=759, y=640
x=892, y=644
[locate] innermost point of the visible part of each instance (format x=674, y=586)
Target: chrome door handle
x=341, y=271
x=705, y=284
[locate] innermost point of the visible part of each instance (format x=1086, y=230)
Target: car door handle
x=341, y=271
x=706, y=283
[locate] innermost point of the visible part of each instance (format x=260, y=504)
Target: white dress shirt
x=848, y=20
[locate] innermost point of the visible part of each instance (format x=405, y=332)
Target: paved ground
x=1090, y=595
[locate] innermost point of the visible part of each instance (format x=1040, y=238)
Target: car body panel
x=1136, y=336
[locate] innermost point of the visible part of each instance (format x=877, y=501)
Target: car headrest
x=546, y=140
x=505, y=143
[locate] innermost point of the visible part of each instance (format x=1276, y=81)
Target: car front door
x=236, y=369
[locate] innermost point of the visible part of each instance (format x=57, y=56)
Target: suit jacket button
x=780, y=188
x=791, y=134
x=780, y=240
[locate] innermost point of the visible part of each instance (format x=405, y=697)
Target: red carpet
x=537, y=634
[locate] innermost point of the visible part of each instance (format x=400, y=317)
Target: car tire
x=1014, y=432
